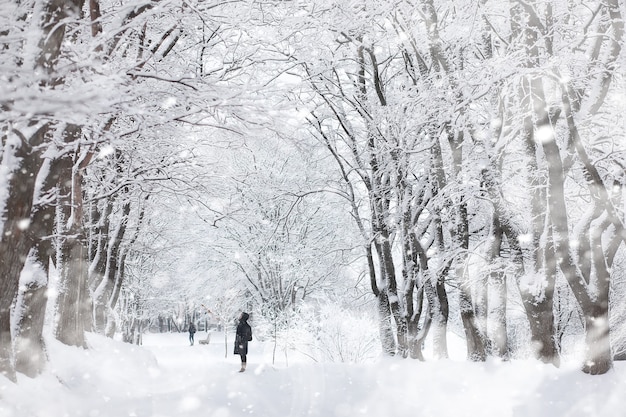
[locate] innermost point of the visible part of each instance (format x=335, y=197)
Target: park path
x=200, y=381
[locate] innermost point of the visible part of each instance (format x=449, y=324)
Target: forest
x=402, y=168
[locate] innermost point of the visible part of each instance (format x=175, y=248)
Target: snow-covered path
x=201, y=379
x=168, y=378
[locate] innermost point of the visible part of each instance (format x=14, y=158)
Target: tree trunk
x=394, y=300
x=73, y=302
x=539, y=307
x=16, y=244
x=384, y=317
x=414, y=314
x=437, y=302
x=122, y=254
x=106, y=290
x=496, y=328
x=598, y=358
x=476, y=349
x=481, y=300
x=475, y=343
x=72, y=296
x=385, y=326
x=32, y=302
x=16, y=239
x=412, y=300
x=98, y=241
x=439, y=310
x=30, y=308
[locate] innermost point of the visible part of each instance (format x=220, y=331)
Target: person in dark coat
x=242, y=337
x=192, y=331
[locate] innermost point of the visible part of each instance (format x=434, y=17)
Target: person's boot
x=243, y=367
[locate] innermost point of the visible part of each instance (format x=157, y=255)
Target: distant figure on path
x=243, y=336
x=192, y=331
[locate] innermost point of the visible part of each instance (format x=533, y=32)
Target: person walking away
x=242, y=337
x=192, y=331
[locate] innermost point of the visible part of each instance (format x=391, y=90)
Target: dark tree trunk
x=73, y=302
x=17, y=242
x=496, y=325
x=476, y=349
x=440, y=320
x=30, y=346
x=414, y=314
x=17, y=239
x=437, y=302
x=99, y=237
x=122, y=253
x=394, y=300
x=413, y=300
x=475, y=343
x=30, y=354
x=386, y=329
x=497, y=314
x=73, y=298
x=106, y=289
x=598, y=358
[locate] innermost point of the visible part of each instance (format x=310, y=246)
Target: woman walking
x=242, y=337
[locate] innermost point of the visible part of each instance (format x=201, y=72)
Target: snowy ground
x=166, y=377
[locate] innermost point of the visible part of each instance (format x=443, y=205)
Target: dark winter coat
x=192, y=328
x=243, y=335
